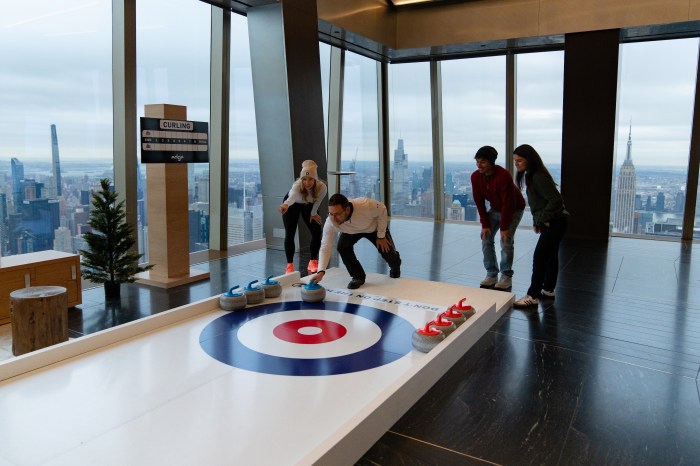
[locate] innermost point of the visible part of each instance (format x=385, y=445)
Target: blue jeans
x=507, y=247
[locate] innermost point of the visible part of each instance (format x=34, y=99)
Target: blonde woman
x=303, y=201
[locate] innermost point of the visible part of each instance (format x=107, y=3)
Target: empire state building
x=626, y=191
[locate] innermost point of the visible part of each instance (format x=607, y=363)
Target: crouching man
x=356, y=219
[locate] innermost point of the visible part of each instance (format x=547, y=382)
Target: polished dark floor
x=605, y=374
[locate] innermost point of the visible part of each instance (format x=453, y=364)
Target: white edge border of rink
x=44, y=357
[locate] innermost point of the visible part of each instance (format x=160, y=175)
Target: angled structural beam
x=288, y=101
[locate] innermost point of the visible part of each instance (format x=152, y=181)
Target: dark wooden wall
x=588, y=136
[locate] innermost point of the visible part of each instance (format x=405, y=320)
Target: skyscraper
x=679, y=203
x=17, y=177
x=4, y=230
x=660, y=202
x=55, y=162
x=400, y=186
x=625, y=194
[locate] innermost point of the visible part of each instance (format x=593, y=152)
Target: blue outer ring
x=219, y=339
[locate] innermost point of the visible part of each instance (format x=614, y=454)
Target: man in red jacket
x=493, y=183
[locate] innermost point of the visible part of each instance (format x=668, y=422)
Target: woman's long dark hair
x=534, y=164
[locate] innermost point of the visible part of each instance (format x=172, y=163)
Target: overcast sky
x=55, y=67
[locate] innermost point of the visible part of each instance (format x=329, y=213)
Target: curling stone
x=233, y=299
x=425, y=339
x=271, y=287
x=443, y=324
x=313, y=292
x=254, y=293
x=466, y=310
x=454, y=316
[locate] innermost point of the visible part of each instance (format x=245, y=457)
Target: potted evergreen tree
x=109, y=258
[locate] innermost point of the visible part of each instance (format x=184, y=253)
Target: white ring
x=257, y=334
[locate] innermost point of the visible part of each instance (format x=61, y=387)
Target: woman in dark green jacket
x=549, y=221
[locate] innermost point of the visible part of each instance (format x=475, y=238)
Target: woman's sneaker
x=547, y=294
x=313, y=266
x=290, y=268
x=526, y=301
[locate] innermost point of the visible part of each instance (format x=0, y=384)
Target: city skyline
x=35, y=217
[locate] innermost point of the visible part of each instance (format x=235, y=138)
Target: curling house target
x=308, y=339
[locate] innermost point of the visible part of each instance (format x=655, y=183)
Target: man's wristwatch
x=321, y=271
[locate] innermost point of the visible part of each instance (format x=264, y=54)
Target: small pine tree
x=109, y=257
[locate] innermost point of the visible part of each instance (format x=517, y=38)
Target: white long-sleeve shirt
x=367, y=216
x=295, y=196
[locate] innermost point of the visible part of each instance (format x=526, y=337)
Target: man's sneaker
x=505, y=283
x=526, y=301
x=547, y=294
x=395, y=272
x=355, y=283
x=313, y=266
x=489, y=281
x=290, y=268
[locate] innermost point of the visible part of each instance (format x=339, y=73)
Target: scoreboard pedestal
x=168, y=226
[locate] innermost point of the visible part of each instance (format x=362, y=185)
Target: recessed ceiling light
x=408, y=2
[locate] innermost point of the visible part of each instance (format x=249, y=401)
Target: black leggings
x=291, y=219
x=545, y=260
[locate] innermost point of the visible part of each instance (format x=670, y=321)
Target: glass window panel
x=474, y=115
x=245, y=212
x=360, y=146
x=540, y=92
x=56, y=102
x=179, y=75
x=656, y=94
x=539, y=107
x=410, y=136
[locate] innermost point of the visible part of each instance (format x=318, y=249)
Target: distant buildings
x=34, y=217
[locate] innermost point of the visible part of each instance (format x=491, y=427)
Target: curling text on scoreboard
x=174, y=141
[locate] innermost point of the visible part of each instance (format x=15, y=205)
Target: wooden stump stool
x=39, y=317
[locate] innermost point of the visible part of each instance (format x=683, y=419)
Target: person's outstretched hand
x=318, y=276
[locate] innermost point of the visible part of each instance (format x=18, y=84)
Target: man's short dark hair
x=339, y=199
x=487, y=153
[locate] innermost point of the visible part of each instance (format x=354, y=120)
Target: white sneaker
x=526, y=301
x=547, y=294
x=504, y=283
x=489, y=281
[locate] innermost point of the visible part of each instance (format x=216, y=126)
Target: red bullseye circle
x=291, y=331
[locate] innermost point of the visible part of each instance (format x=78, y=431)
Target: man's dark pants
x=346, y=244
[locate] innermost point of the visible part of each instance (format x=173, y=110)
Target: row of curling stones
x=312, y=292
x=426, y=338
x=235, y=298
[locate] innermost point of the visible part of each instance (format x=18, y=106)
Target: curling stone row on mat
x=233, y=300
x=426, y=338
x=271, y=287
x=236, y=298
x=466, y=309
x=312, y=292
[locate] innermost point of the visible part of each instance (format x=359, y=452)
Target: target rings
x=308, y=339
